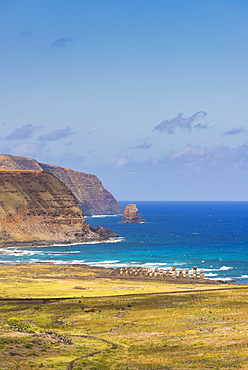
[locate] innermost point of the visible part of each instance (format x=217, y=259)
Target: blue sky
x=150, y=96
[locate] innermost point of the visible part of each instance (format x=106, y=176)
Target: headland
x=36, y=208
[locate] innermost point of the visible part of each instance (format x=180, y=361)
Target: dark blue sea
x=210, y=235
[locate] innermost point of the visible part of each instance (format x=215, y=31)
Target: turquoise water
x=210, y=235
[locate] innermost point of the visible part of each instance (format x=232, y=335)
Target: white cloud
x=22, y=133
x=179, y=122
x=119, y=162
x=57, y=134
x=236, y=131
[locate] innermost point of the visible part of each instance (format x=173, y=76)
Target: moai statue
x=167, y=273
x=156, y=269
x=187, y=273
x=202, y=275
x=181, y=274
x=161, y=272
x=135, y=273
x=150, y=273
x=174, y=272
x=156, y=274
x=121, y=271
x=194, y=272
x=126, y=272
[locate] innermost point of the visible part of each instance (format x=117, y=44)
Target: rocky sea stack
x=131, y=215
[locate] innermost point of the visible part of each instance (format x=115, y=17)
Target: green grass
x=193, y=330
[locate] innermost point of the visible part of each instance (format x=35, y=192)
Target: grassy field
x=117, y=325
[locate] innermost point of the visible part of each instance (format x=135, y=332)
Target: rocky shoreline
x=99, y=234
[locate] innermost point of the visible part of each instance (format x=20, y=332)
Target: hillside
x=36, y=207
x=92, y=197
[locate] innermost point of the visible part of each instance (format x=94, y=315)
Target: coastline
x=171, y=237
x=117, y=271
x=46, y=243
x=101, y=272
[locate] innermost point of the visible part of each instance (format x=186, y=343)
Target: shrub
x=21, y=325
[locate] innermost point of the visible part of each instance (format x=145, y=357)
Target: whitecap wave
x=111, y=264
x=20, y=252
x=102, y=216
x=221, y=279
x=226, y=268
x=8, y=262
x=210, y=274
x=59, y=262
x=110, y=261
x=63, y=245
x=76, y=262
x=112, y=240
x=61, y=253
x=55, y=262
x=151, y=264
x=242, y=277
x=116, y=240
x=223, y=268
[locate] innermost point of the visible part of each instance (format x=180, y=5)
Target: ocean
x=210, y=235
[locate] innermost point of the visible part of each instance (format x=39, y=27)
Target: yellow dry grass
x=118, y=326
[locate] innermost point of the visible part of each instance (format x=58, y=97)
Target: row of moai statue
x=161, y=273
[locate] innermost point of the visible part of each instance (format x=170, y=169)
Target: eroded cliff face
x=92, y=197
x=36, y=207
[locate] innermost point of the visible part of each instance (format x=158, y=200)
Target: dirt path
x=113, y=346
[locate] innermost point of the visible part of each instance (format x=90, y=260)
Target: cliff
x=92, y=197
x=37, y=208
x=88, y=190
x=131, y=215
